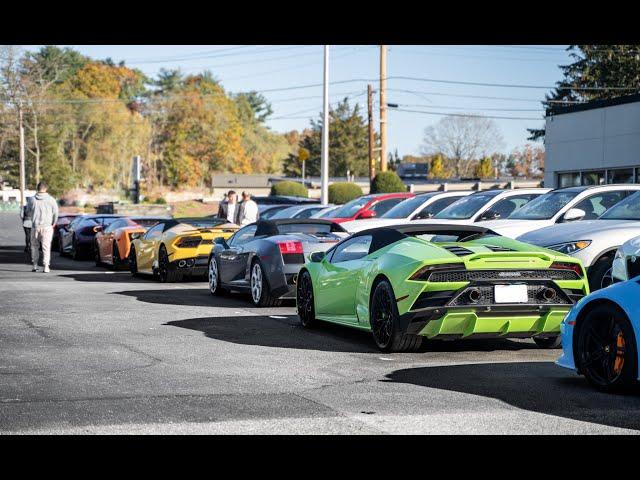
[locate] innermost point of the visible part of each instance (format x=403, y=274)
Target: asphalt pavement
x=89, y=350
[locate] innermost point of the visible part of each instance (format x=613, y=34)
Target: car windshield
x=147, y=222
x=349, y=209
x=312, y=228
x=627, y=209
x=406, y=207
x=203, y=223
x=544, y=207
x=465, y=207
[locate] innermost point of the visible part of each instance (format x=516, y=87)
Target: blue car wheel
x=605, y=349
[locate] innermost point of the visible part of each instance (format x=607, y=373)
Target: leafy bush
x=343, y=192
x=289, y=188
x=387, y=182
x=160, y=201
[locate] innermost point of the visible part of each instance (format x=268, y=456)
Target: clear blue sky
x=251, y=67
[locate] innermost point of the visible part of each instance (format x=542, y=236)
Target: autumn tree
x=437, y=168
x=484, y=168
x=462, y=139
x=528, y=161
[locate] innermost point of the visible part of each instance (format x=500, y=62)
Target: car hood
x=514, y=228
x=612, y=230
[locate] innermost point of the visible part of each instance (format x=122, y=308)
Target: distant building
x=593, y=143
x=413, y=170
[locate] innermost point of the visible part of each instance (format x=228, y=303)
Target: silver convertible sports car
x=264, y=258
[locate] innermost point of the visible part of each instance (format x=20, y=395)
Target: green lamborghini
x=408, y=282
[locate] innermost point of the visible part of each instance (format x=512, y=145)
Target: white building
x=593, y=143
x=12, y=195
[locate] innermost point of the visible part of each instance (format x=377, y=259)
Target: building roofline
x=581, y=107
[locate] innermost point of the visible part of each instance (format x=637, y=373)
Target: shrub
x=343, y=192
x=289, y=188
x=387, y=182
x=160, y=201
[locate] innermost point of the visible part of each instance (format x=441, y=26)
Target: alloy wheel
x=305, y=299
x=382, y=318
x=163, y=264
x=602, y=352
x=256, y=283
x=213, y=275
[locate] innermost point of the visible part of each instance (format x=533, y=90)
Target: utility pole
x=383, y=108
x=372, y=162
x=22, y=169
x=324, y=160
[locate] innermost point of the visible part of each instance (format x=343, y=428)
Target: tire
x=75, y=254
x=260, y=292
x=385, y=325
x=115, y=257
x=96, y=254
x=605, y=349
x=133, y=261
x=60, y=247
x=548, y=342
x=165, y=274
x=304, y=300
x=600, y=273
x=213, y=277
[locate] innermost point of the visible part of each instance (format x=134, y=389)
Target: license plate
x=510, y=294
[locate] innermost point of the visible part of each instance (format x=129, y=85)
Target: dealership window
x=570, y=179
x=593, y=178
x=620, y=175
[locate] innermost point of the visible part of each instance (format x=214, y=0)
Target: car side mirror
x=317, y=257
x=221, y=241
x=574, y=214
x=490, y=215
x=98, y=228
x=366, y=214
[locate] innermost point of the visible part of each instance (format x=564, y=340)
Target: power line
x=447, y=114
x=259, y=50
x=468, y=108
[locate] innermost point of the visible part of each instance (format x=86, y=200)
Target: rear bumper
x=195, y=266
x=490, y=321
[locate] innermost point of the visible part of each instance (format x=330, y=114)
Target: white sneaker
x=46, y=269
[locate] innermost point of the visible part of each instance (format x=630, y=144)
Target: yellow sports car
x=177, y=248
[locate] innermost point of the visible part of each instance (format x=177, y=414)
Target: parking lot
x=88, y=350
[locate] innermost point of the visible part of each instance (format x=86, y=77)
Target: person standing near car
x=25, y=214
x=248, y=210
x=229, y=209
x=44, y=215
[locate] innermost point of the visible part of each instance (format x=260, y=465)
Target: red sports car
x=367, y=206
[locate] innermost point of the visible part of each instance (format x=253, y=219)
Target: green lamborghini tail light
x=422, y=275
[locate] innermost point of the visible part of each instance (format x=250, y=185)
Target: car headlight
x=570, y=248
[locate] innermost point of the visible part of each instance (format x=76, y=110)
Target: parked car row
x=439, y=265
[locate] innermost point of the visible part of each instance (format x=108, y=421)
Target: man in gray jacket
x=44, y=215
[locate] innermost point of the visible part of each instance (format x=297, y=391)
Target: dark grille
x=293, y=258
x=496, y=248
x=206, y=242
x=433, y=299
x=487, y=298
x=492, y=275
x=633, y=268
x=458, y=251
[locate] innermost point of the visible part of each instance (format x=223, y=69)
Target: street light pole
x=324, y=162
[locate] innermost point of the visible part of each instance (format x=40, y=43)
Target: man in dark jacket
x=229, y=209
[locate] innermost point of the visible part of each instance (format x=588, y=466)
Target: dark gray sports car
x=264, y=258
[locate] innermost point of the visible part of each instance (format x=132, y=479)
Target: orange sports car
x=112, y=244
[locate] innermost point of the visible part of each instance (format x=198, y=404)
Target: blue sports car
x=599, y=336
